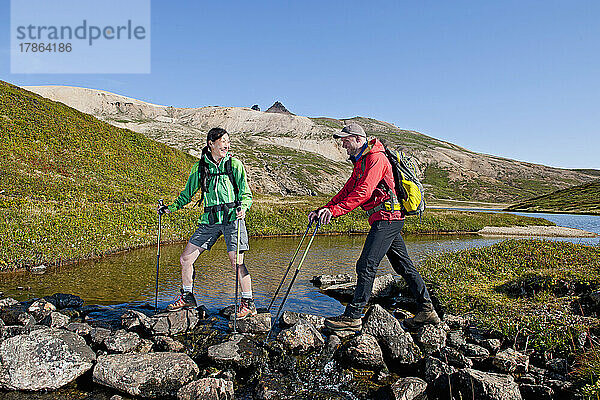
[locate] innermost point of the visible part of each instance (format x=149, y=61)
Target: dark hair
x=215, y=134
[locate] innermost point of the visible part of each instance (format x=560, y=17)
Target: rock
x=455, y=322
x=255, y=107
x=394, y=342
x=409, y=388
x=342, y=291
x=363, y=351
x=116, y=397
x=474, y=351
x=169, y=323
x=289, y=318
x=40, y=309
x=536, y=392
x=455, y=357
x=259, y=323
x=166, y=343
x=473, y=384
x=510, y=360
x=328, y=280
x=431, y=338
x=61, y=300
x=56, y=320
x=277, y=107
x=493, y=345
x=38, y=269
x=45, y=359
x=435, y=368
x=7, y=302
x=153, y=375
x=98, y=335
x=240, y=350
x=79, y=328
x=343, y=334
x=16, y=315
x=207, y=389
x=301, y=337
x=558, y=365
x=455, y=339
x=122, y=341
x=384, y=286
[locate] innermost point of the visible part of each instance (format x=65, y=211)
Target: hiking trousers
x=385, y=238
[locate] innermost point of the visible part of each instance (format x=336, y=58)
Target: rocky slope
x=289, y=154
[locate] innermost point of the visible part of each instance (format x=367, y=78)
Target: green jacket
x=220, y=190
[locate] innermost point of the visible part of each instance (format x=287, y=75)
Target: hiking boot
x=185, y=300
x=421, y=318
x=247, y=309
x=343, y=323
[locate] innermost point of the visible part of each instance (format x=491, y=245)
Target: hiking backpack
x=204, y=177
x=409, y=195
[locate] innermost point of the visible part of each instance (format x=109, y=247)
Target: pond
x=130, y=277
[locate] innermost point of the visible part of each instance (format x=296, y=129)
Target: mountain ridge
x=289, y=154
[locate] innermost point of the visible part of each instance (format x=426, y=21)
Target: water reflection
x=128, y=277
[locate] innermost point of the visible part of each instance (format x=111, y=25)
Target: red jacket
x=361, y=189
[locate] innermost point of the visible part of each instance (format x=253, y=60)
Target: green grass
x=583, y=198
x=520, y=287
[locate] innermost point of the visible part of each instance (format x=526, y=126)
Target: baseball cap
x=351, y=129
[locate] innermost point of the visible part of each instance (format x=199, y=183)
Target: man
x=371, y=188
x=226, y=196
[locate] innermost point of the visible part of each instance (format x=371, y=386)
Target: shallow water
x=130, y=276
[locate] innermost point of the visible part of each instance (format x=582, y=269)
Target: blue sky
x=519, y=79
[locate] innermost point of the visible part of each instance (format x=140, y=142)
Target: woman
x=225, y=197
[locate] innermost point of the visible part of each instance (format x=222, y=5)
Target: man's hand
x=324, y=214
x=313, y=215
x=240, y=213
x=163, y=210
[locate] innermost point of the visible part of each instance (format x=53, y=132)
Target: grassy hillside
x=577, y=199
x=74, y=187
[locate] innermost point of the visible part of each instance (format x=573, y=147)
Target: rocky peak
x=277, y=107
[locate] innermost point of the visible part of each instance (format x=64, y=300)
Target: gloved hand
x=313, y=215
x=324, y=215
x=163, y=210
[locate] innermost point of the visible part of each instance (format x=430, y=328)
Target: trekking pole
x=160, y=204
x=237, y=270
x=289, y=267
x=287, y=293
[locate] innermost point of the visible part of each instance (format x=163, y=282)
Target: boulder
x=289, y=318
x=431, y=338
x=259, y=323
x=56, y=319
x=61, y=300
x=7, y=302
x=473, y=384
x=45, y=359
x=166, y=343
x=169, y=323
x=363, y=351
x=384, y=286
x=435, y=368
x=122, y=341
x=80, y=328
x=474, y=351
x=255, y=107
x=536, y=392
x=455, y=339
x=153, y=375
x=455, y=322
x=454, y=357
x=40, y=309
x=328, y=280
x=341, y=291
x=510, y=360
x=301, y=337
x=558, y=365
x=409, y=388
x=240, y=351
x=16, y=315
x=394, y=341
x=207, y=389
x=493, y=345
x=98, y=335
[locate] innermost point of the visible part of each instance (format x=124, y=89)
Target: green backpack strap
x=236, y=189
